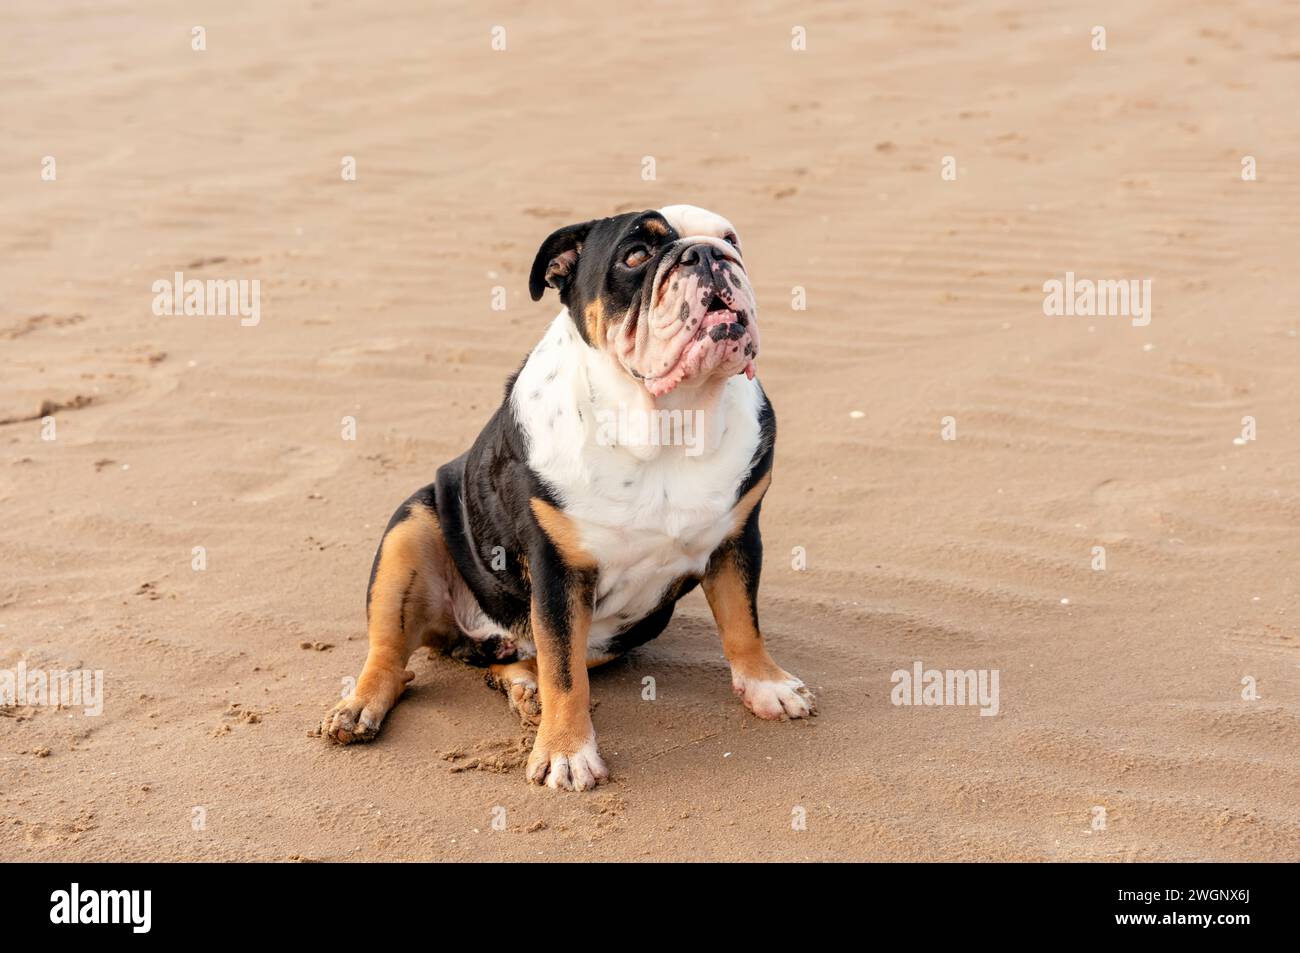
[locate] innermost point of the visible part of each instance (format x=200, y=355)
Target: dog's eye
x=731, y=239
x=637, y=257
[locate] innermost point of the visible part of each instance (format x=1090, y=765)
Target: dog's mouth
x=722, y=340
x=726, y=330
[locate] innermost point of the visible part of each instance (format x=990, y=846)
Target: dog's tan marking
x=768, y=690
x=562, y=661
x=400, y=621
x=594, y=316
x=745, y=505
x=563, y=532
x=742, y=643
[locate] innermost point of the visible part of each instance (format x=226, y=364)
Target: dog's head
x=665, y=293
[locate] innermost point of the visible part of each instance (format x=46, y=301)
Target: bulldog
x=564, y=538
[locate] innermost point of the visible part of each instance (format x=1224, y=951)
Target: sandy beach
x=1102, y=509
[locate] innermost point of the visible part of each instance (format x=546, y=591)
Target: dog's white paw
x=775, y=699
x=577, y=770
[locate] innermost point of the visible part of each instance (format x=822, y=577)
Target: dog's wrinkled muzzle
x=695, y=319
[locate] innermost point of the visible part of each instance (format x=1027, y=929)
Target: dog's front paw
x=579, y=769
x=776, y=698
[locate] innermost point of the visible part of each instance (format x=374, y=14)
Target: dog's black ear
x=557, y=260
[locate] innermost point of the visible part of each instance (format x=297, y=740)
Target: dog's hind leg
x=518, y=680
x=408, y=605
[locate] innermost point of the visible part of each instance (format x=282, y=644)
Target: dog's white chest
x=647, y=516
x=646, y=536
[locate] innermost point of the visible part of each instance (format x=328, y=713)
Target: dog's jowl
x=626, y=464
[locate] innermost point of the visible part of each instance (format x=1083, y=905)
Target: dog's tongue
x=750, y=371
